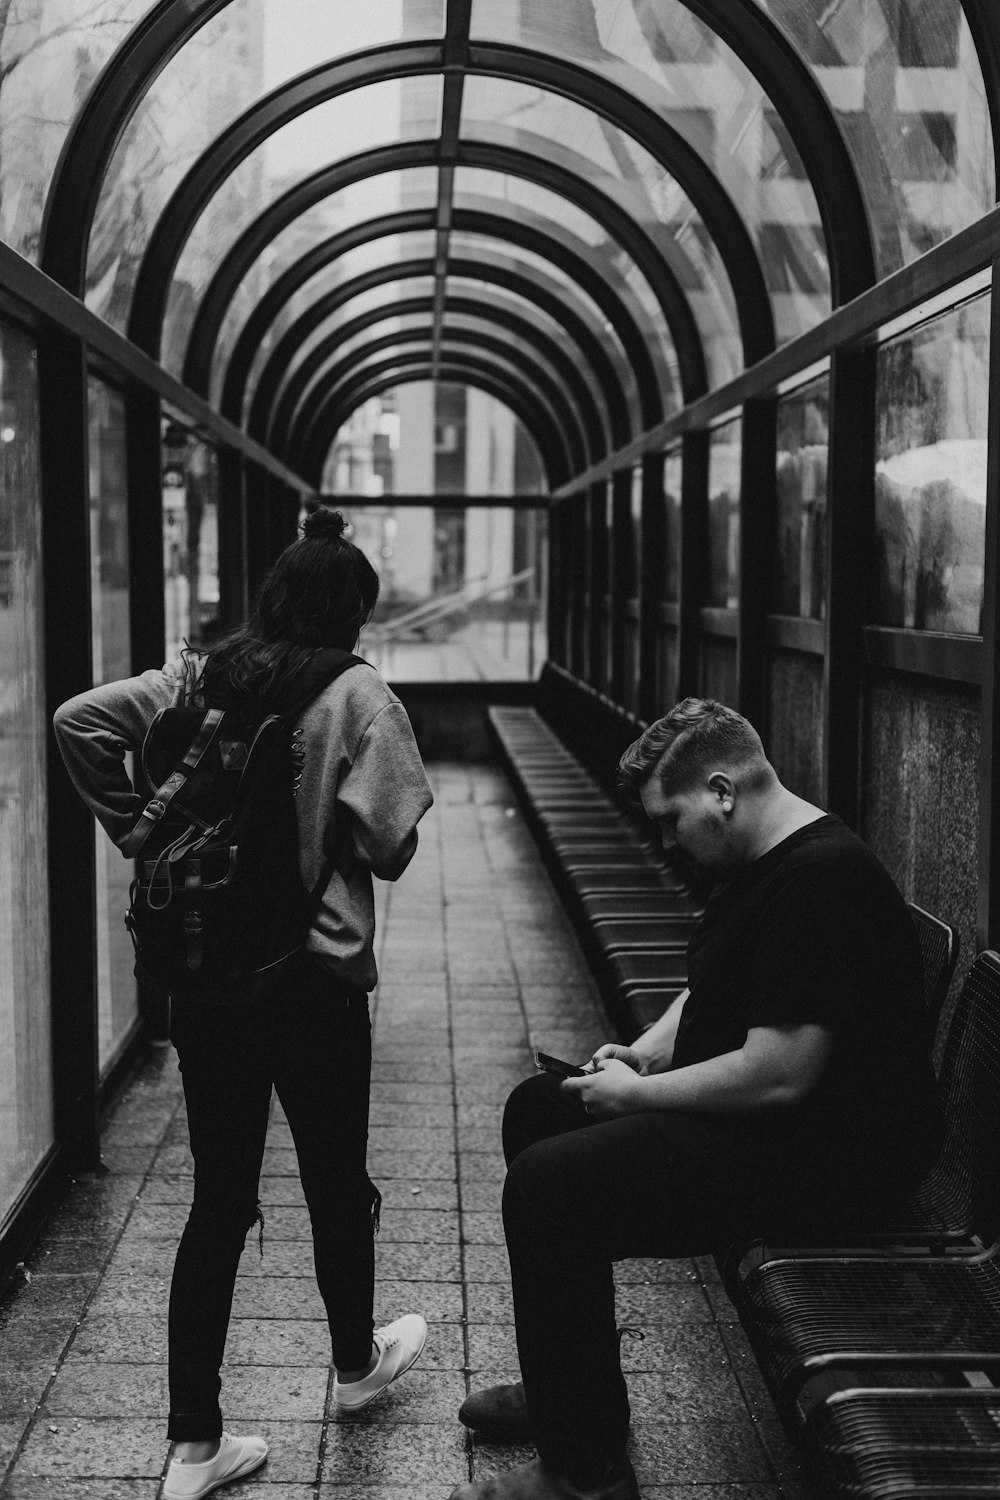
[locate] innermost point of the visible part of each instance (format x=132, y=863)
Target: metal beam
x=297, y=387
x=525, y=282
x=199, y=356
x=464, y=502
x=59, y=309
x=967, y=252
x=609, y=214
x=545, y=437
x=531, y=376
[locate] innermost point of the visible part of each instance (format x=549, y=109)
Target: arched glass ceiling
x=907, y=87
x=505, y=324
x=343, y=211
x=390, y=288
x=562, y=392
x=534, y=111
x=365, y=118
x=388, y=250
x=465, y=245
x=671, y=60
x=550, y=212
x=49, y=57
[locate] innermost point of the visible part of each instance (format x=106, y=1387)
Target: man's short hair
x=695, y=733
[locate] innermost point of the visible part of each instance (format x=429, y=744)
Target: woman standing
x=361, y=789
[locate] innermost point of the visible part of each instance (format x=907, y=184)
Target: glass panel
x=358, y=121
x=109, y=574
x=534, y=120
x=724, y=515
x=799, y=585
x=611, y=262
x=930, y=474
x=26, y=1117
x=49, y=57
x=672, y=476
x=380, y=296
x=907, y=87
x=673, y=62
x=190, y=539
x=463, y=589
x=302, y=236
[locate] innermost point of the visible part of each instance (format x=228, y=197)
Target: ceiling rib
x=456, y=57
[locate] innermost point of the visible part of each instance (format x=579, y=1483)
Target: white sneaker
x=237, y=1457
x=399, y=1346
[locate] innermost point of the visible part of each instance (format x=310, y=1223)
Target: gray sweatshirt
x=359, y=758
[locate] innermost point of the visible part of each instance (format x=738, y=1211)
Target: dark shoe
x=499, y=1413
x=536, y=1482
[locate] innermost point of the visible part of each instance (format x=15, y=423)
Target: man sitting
x=788, y=1089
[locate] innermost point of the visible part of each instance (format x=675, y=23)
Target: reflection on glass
x=907, y=88
x=577, y=231
x=109, y=577
x=190, y=540
x=548, y=276
x=302, y=237
x=799, y=584
x=930, y=476
x=672, y=474
x=660, y=52
x=724, y=515
x=592, y=148
x=50, y=54
x=26, y=1122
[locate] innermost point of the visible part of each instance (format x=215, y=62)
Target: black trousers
x=311, y=1041
x=578, y=1196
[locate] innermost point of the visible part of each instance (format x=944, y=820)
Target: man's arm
x=776, y=1067
x=653, y=1051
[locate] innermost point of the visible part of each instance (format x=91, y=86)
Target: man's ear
x=724, y=788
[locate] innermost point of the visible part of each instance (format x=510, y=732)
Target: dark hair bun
x=326, y=523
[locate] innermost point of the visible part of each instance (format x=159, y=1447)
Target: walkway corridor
x=478, y=967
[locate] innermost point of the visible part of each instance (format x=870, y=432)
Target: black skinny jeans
x=311, y=1041
x=578, y=1196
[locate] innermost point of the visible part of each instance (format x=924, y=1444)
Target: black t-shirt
x=815, y=931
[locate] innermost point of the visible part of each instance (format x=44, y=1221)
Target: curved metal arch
x=404, y=59
x=272, y=396
x=533, y=376
x=121, y=84
x=578, y=391
x=199, y=358
x=518, y=232
x=544, y=434
x=303, y=195
x=984, y=24
x=265, y=411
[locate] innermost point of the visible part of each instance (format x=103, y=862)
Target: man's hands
x=628, y=1055
x=613, y=1089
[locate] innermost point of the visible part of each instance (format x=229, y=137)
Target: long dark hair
x=319, y=592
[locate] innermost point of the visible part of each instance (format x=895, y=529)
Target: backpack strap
x=322, y=668
x=161, y=799
x=315, y=674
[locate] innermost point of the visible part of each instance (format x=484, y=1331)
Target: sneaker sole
x=360, y=1405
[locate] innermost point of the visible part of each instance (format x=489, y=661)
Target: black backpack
x=217, y=903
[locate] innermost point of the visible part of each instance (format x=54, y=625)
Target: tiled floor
x=478, y=967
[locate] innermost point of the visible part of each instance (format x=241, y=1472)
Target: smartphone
x=558, y=1067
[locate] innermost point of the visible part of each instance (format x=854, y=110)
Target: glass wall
x=190, y=539
x=109, y=573
x=26, y=1103
x=930, y=477
x=799, y=580
x=724, y=516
